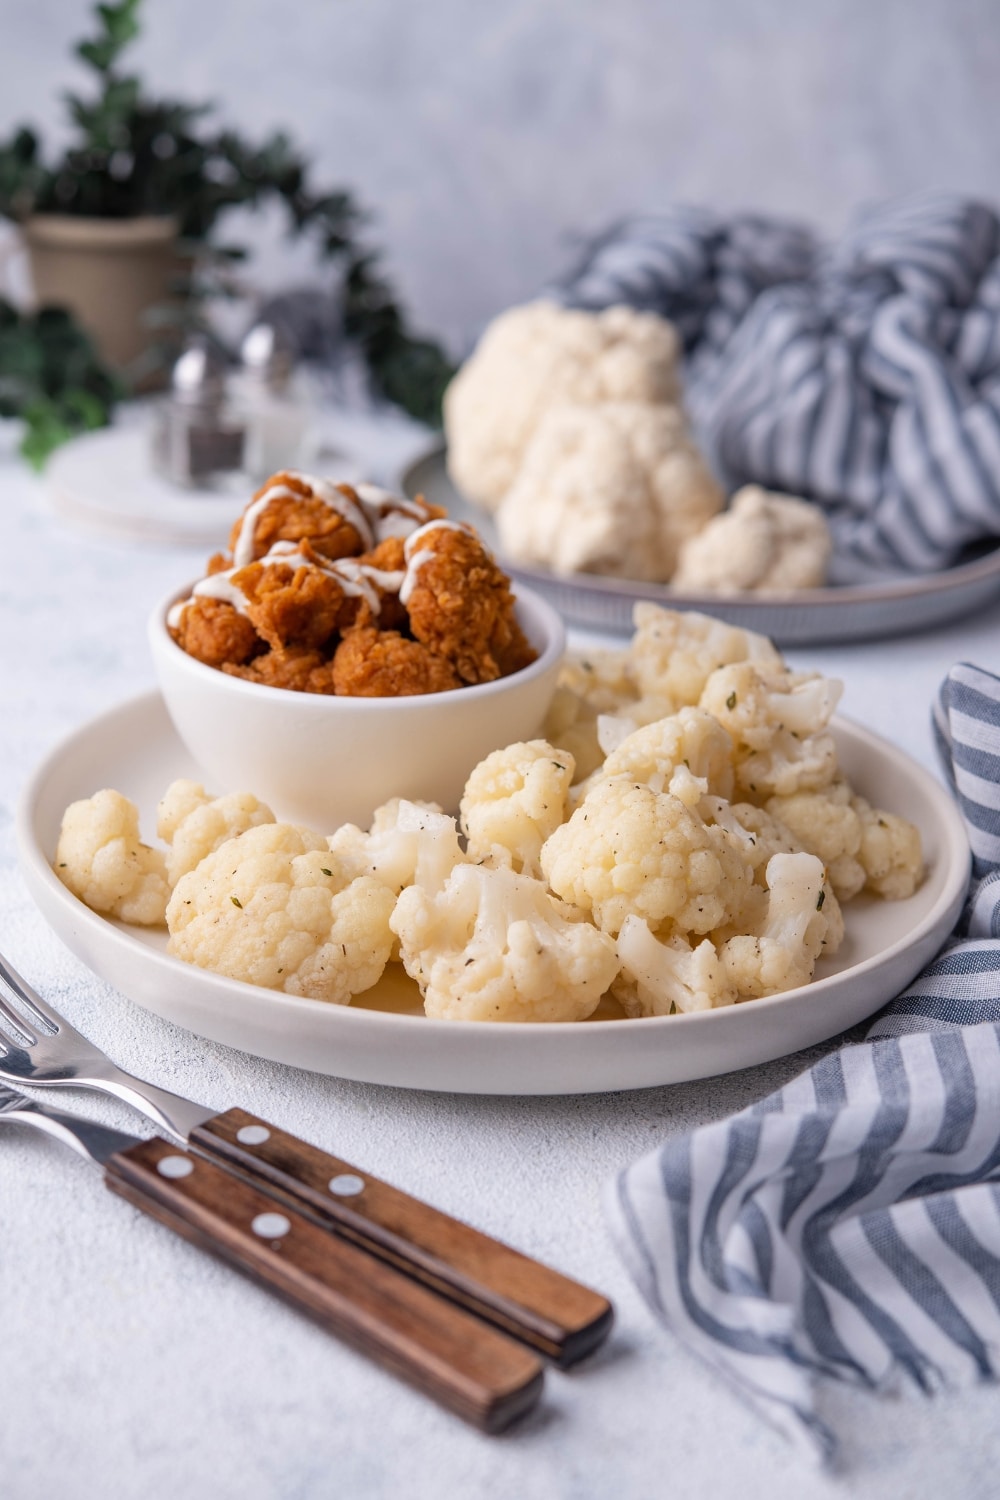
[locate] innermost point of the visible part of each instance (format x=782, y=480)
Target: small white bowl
x=324, y=760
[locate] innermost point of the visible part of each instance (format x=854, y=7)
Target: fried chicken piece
x=292, y=604
x=299, y=670
x=461, y=605
x=302, y=514
x=396, y=518
x=371, y=663
x=215, y=632
x=388, y=557
x=509, y=646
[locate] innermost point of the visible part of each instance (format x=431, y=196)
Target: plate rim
x=39, y=875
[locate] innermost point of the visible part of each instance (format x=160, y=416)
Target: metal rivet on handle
x=253, y=1135
x=175, y=1166
x=346, y=1185
x=270, y=1226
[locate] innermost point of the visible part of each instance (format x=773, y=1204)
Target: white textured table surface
x=133, y=1366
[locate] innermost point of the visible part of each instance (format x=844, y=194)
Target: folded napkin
x=864, y=375
x=849, y=1225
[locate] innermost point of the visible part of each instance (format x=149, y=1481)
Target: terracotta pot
x=107, y=272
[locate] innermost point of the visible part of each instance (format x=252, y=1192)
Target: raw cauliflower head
x=274, y=908
x=102, y=860
x=493, y=945
x=673, y=653
x=514, y=799
x=764, y=543
x=613, y=489
x=539, y=355
x=628, y=849
x=194, y=824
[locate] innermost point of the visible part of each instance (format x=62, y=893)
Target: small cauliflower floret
x=595, y=691
x=764, y=542
x=757, y=832
x=195, y=824
x=673, y=653
x=825, y=824
x=407, y=842
x=514, y=799
x=777, y=720
x=493, y=945
x=613, y=489
x=690, y=740
x=539, y=355
x=102, y=860
x=890, y=852
x=803, y=920
x=660, y=979
x=274, y=908
x=628, y=849
x=179, y=801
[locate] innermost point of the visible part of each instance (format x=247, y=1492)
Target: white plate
x=385, y=1038
x=861, y=612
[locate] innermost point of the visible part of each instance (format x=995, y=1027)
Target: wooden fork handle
x=444, y=1352
x=553, y=1314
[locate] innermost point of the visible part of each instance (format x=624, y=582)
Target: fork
x=445, y=1352
x=548, y=1311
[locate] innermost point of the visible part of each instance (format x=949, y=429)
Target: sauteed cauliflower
x=680, y=837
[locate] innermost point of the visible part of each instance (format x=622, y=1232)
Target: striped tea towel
x=849, y=1225
x=864, y=375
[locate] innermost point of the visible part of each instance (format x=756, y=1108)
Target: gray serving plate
x=860, y=612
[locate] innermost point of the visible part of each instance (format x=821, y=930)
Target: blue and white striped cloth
x=864, y=375
x=849, y=1225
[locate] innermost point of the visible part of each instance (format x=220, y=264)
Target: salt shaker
x=198, y=440
x=276, y=416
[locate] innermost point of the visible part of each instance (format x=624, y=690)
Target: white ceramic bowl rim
x=539, y=619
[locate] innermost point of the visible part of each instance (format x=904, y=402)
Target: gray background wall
x=483, y=137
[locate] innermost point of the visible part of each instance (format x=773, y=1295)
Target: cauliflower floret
x=179, y=801
x=493, y=945
x=803, y=920
x=777, y=720
x=672, y=653
x=690, y=740
x=890, y=852
x=825, y=824
x=407, y=842
x=612, y=489
x=102, y=860
x=629, y=849
x=194, y=824
x=515, y=798
x=764, y=542
x=274, y=908
x=594, y=692
x=538, y=355
x=660, y=979
x=757, y=833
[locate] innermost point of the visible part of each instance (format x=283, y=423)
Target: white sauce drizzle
x=323, y=490
x=380, y=514
x=415, y=560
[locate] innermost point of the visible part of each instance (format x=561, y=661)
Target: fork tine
x=29, y=1003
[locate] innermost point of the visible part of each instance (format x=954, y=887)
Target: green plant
x=51, y=377
x=133, y=154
